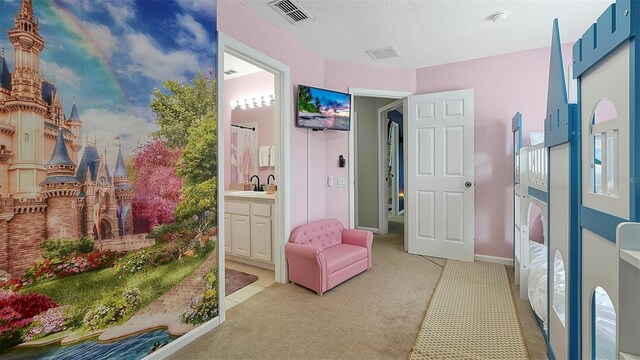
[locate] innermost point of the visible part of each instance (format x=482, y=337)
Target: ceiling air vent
x=230, y=72
x=290, y=10
x=383, y=53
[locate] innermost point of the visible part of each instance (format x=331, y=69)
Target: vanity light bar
x=253, y=102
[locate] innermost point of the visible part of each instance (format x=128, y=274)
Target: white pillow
x=537, y=137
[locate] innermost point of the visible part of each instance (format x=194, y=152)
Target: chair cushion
x=343, y=255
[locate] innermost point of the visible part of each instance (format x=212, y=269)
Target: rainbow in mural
x=107, y=206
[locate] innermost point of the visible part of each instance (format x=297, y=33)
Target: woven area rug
x=472, y=315
x=236, y=280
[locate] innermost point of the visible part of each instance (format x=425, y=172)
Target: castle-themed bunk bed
x=592, y=232
x=530, y=199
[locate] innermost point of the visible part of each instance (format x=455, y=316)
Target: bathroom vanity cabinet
x=248, y=223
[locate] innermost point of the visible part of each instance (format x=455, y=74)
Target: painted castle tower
x=45, y=193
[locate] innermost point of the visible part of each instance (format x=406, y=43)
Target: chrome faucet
x=269, y=178
x=255, y=187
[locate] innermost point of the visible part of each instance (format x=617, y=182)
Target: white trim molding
x=373, y=230
x=282, y=114
x=494, y=259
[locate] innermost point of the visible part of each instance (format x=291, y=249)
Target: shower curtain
x=242, y=154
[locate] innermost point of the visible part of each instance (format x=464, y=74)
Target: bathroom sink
x=253, y=194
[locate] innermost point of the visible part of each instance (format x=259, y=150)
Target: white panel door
x=440, y=175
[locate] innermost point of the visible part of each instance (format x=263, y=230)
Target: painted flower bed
x=51, y=269
x=26, y=313
x=48, y=322
x=145, y=259
x=17, y=311
x=114, y=308
x=203, y=307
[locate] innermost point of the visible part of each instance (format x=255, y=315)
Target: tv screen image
x=323, y=109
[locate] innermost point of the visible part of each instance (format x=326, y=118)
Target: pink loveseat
x=323, y=254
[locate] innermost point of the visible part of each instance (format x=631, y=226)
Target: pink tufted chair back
x=319, y=234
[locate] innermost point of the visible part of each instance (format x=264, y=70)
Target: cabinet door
x=240, y=235
x=261, y=239
x=227, y=233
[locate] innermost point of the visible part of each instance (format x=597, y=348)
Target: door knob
x=468, y=184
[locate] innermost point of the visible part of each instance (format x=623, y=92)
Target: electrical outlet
x=330, y=181
x=342, y=182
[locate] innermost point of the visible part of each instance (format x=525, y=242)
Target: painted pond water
x=131, y=348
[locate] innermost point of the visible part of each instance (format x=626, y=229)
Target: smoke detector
x=383, y=53
x=290, y=10
x=499, y=15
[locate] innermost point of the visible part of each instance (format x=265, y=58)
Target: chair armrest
x=307, y=266
x=308, y=253
x=357, y=237
x=361, y=238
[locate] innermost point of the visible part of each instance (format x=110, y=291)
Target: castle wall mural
x=107, y=175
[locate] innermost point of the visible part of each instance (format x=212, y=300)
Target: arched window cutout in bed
x=536, y=224
x=559, y=287
x=604, y=149
x=603, y=328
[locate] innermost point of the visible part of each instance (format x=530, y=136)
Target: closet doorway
x=391, y=164
x=253, y=133
x=370, y=190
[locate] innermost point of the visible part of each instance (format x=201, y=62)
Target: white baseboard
x=184, y=340
x=373, y=230
x=494, y=259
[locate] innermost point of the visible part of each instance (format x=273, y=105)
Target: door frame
x=395, y=161
x=282, y=115
x=282, y=227
x=383, y=160
x=392, y=94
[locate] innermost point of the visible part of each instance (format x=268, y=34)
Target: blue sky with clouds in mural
x=109, y=55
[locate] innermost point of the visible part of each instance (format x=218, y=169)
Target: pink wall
x=237, y=21
x=341, y=76
x=503, y=85
x=242, y=24
x=264, y=117
x=239, y=88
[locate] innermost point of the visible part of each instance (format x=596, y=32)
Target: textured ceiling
x=240, y=67
x=428, y=33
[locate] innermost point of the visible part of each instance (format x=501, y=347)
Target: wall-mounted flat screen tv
x=321, y=109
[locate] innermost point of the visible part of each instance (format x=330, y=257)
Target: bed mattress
x=605, y=312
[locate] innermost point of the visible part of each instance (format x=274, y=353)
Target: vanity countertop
x=248, y=195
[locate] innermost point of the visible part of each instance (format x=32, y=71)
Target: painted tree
x=157, y=187
x=198, y=167
x=178, y=106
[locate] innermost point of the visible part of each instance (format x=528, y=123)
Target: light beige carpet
x=536, y=344
x=472, y=315
x=375, y=315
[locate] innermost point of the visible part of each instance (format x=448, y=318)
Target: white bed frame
x=532, y=174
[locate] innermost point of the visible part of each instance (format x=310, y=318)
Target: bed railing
x=538, y=167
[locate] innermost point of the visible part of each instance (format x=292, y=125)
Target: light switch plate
x=330, y=181
x=342, y=182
